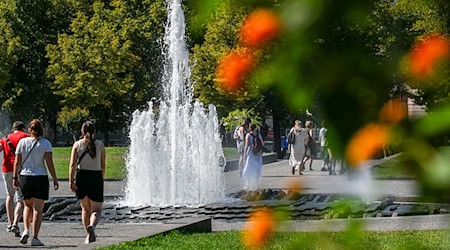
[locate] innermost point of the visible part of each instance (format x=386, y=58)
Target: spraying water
x=175, y=153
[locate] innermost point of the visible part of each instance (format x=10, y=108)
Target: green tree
x=417, y=19
x=107, y=62
x=72, y=119
x=30, y=27
x=221, y=36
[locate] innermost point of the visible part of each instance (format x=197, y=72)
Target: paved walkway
x=275, y=175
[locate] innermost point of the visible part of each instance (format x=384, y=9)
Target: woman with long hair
x=88, y=161
x=297, y=147
x=33, y=154
x=253, y=161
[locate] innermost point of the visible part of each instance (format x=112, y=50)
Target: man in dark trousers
x=8, y=145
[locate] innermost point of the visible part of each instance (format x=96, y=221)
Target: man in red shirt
x=8, y=145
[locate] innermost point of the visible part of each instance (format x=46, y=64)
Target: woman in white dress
x=298, y=148
x=253, y=162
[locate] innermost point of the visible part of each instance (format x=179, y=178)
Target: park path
x=275, y=175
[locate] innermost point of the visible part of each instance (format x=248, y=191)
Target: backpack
x=257, y=147
x=291, y=137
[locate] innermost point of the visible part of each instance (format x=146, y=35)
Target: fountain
x=175, y=152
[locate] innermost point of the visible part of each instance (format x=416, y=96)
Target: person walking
x=297, y=147
x=239, y=135
x=323, y=146
x=33, y=154
x=88, y=161
x=253, y=158
x=310, y=145
x=8, y=145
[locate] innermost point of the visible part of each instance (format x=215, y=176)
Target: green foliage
x=92, y=64
x=106, y=63
x=415, y=19
x=235, y=118
x=221, y=36
x=9, y=43
x=72, y=119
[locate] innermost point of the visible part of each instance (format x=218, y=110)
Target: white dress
x=298, y=149
x=253, y=166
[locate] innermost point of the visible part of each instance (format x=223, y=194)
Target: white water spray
x=175, y=153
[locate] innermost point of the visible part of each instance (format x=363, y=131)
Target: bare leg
x=38, y=209
x=85, y=212
x=9, y=202
x=27, y=215
x=96, y=212
x=17, y=213
x=241, y=164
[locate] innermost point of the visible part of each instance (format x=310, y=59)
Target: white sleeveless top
x=88, y=163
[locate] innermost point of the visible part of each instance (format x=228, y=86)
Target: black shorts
x=89, y=183
x=34, y=186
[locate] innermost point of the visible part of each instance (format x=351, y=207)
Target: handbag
x=291, y=137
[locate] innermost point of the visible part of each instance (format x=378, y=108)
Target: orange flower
x=258, y=229
x=295, y=185
x=366, y=143
x=232, y=70
x=393, y=111
x=427, y=53
x=260, y=27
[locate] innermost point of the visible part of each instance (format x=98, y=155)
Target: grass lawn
x=115, y=160
x=431, y=239
x=397, y=167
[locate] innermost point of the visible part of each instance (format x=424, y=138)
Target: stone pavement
x=275, y=175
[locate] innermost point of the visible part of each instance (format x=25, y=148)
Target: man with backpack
x=239, y=136
x=8, y=145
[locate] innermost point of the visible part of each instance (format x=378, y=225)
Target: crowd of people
x=304, y=148
x=27, y=160
x=300, y=142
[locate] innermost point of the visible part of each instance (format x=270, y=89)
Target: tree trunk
x=276, y=130
x=106, y=134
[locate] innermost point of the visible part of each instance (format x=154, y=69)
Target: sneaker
x=8, y=228
x=36, y=242
x=24, y=238
x=15, y=230
x=91, y=232
x=324, y=169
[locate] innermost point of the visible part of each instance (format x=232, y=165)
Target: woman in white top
x=253, y=162
x=33, y=158
x=88, y=159
x=298, y=148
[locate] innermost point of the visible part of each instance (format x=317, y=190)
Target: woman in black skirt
x=88, y=162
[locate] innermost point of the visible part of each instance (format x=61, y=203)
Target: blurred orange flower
x=427, y=53
x=258, y=229
x=368, y=141
x=233, y=68
x=259, y=27
x=295, y=185
x=393, y=111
